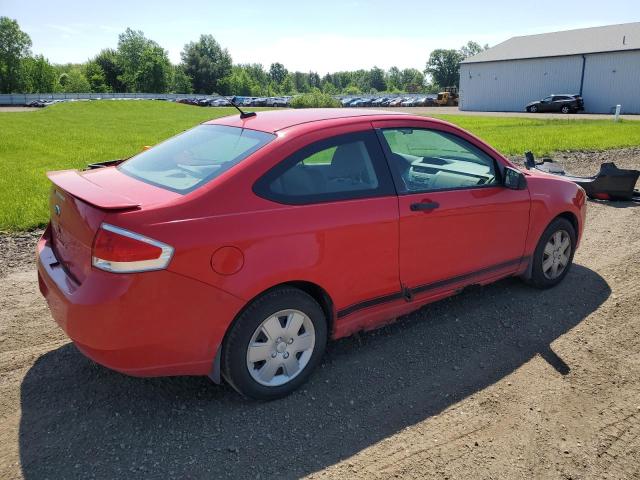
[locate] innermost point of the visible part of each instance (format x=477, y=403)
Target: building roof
x=610, y=38
x=274, y=120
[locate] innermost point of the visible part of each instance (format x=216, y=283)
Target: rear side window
x=340, y=168
x=195, y=157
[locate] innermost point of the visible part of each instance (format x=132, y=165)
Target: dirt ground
x=499, y=382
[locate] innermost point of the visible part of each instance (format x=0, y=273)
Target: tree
x=207, y=63
x=95, y=76
x=181, y=82
x=394, y=79
x=131, y=47
x=107, y=59
x=472, y=48
x=39, y=75
x=444, y=67
x=15, y=45
x=314, y=80
x=288, y=86
x=278, y=73
x=154, y=71
x=412, y=80
x=378, y=82
x=76, y=82
x=301, y=82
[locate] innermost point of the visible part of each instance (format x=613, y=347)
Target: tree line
x=140, y=64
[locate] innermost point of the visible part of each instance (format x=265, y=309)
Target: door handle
x=422, y=206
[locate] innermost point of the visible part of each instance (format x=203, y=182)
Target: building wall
x=609, y=79
x=508, y=86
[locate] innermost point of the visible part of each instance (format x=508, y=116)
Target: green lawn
x=71, y=135
x=513, y=136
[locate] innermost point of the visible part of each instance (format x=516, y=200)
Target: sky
x=323, y=36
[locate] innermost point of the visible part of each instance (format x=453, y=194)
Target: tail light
x=122, y=251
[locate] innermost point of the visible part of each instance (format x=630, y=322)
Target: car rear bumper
x=143, y=324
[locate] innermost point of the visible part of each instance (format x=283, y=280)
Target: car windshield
x=195, y=157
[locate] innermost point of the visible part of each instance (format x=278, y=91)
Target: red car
x=238, y=248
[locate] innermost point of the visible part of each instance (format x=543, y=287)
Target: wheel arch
x=572, y=219
x=567, y=215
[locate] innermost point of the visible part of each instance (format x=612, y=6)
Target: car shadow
x=80, y=420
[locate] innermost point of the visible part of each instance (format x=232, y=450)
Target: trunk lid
x=78, y=204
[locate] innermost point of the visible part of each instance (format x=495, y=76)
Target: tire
x=260, y=359
x=565, y=109
x=547, y=271
x=533, y=109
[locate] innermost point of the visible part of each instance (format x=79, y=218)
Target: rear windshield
x=195, y=157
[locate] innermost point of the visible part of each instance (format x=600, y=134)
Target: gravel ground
x=18, y=109
x=499, y=382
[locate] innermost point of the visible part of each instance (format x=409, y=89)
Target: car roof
x=274, y=120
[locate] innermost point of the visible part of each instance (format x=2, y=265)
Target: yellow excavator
x=448, y=98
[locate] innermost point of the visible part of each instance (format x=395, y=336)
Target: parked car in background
x=430, y=101
x=379, y=102
x=409, y=102
x=362, y=102
x=231, y=249
x=220, y=102
x=280, y=102
x=396, y=102
x=347, y=101
x=563, y=103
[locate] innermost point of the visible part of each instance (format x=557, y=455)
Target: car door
x=338, y=216
x=557, y=103
x=458, y=223
x=545, y=104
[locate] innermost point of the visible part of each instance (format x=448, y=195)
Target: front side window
x=343, y=167
x=195, y=157
x=428, y=160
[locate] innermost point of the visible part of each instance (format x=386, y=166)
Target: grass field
x=71, y=135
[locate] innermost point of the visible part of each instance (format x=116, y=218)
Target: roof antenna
x=243, y=114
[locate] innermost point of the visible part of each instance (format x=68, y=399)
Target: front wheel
x=553, y=256
x=533, y=109
x=275, y=344
x=565, y=109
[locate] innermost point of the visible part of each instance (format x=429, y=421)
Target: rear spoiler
x=108, y=163
x=76, y=184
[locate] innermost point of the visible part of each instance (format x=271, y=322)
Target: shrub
x=314, y=99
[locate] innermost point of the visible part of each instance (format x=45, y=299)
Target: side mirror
x=514, y=179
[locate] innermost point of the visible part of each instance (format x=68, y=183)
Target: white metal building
x=601, y=63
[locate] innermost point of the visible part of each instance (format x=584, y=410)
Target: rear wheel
x=554, y=254
x=275, y=344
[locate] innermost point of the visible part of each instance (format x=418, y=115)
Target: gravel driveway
x=456, y=111
x=499, y=382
